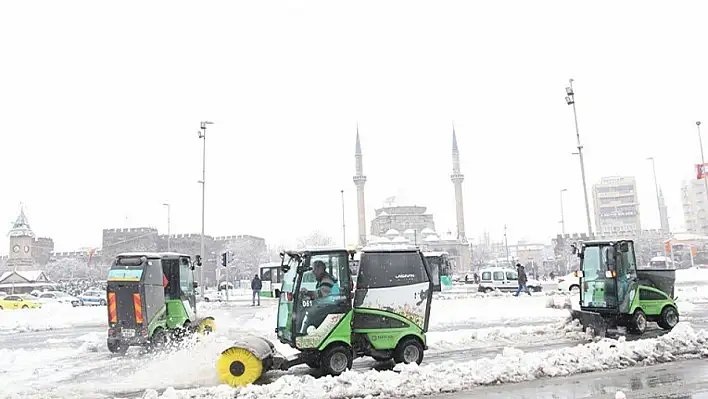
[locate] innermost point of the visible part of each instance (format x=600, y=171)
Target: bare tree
x=248, y=254
x=315, y=238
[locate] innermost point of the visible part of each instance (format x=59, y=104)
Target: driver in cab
x=326, y=286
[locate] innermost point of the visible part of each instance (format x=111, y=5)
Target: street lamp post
x=703, y=161
x=562, y=213
x=570, y=100
x=168, y=226
x=202, y=136
x=344, y=229
x=656, y=188
x=506, y=244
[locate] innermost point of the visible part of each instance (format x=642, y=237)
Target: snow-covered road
x=44, y=357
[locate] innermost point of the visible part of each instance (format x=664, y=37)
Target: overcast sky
x=100, y=105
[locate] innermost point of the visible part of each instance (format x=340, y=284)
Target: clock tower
x=21, y=240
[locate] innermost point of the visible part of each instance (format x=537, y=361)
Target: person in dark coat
x=256, y=285
x=522, y=279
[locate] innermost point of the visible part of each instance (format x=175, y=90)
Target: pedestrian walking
x=521, y=274
x=256, y=285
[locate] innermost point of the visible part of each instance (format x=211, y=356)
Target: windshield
x=285, y=303
x=434, y=263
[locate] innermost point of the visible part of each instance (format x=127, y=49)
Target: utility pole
x=570, y=100
x=506, y=244
x=656, y=188
x=344, y=228
x=703, y=161
x=562, y=213
x=202, y=136
x=168, y=226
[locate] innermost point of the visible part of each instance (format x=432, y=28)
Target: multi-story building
x=695, y=206
x=616, y=205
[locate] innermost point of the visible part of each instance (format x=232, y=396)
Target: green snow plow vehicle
x=330, y=323
x=614, y=292
x=151, y=299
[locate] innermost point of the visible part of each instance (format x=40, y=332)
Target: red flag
x=701, y=170
x=164, y=281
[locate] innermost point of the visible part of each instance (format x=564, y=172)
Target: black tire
x=574, y=286
x=638, y=324
x=158, y=341
x=117, y=347
x=488, y=290
x=669, y=318
x=102, y=303
x=25, y=307
x=409, y=350
x=336, y=359
x=0, y=307
x=206, y=299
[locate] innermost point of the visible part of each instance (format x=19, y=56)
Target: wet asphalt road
x=680, y=380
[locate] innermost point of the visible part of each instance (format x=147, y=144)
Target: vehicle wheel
x=103, y=302
x=669, y=318
x=206, y=299
x=0, y=307
x=488, y=290
x=574, y=288
x=336, y=359
x=158, y=340
x=410, y=350
x=25, y=307
x=117, y=347
x=639, y=322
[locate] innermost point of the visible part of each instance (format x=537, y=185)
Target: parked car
x=93, y=298
x=58, y=297
x=19, y=302
x=570, y=282
x=504, y=279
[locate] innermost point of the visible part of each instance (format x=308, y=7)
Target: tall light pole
x=656, y=188
x=562, y=213
x=202, y=136
x=344, y=229
x=168, y=226
x=703, y=161
x=506, y=244
x=570, y=100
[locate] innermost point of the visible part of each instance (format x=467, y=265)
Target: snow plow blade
x=245, y=361
x=592, y=321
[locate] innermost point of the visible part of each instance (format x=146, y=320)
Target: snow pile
x=454, y=340
x=511, y=366
x=52, y=318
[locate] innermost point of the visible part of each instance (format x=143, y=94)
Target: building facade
x=695, y=206
x=616, y=205
x=401, y=218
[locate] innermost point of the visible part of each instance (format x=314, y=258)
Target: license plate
x=128, y=333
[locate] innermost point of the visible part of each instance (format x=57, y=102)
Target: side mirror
x=198, y=260
x=195, y=284
x=624, y=247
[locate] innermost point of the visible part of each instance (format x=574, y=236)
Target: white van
x=504, y=279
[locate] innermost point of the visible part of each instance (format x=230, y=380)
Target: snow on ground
x=511, y=366
x=454, y=340
x=480, y=312
x=52, y=317
x=692, y=276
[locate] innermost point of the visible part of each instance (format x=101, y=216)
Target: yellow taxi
x=19, y=302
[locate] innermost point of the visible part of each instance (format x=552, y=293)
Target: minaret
x=359, y=181
x=457, y=178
